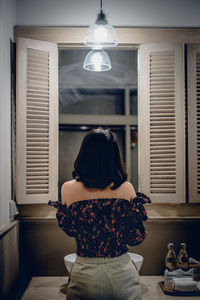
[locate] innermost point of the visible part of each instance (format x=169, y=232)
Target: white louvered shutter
x=161, y=126
x=37, y=121
x=194, y=122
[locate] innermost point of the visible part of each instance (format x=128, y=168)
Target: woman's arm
x=63, y=216
x=135, y=230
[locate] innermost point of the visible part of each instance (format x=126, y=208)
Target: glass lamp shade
x=101, y=34
x=97, y=60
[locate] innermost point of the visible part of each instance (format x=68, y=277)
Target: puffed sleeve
x=135, y=232
x=63, y=216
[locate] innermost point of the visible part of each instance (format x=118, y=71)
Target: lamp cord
x=101, y=4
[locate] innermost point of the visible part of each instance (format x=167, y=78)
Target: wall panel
x=46, y=245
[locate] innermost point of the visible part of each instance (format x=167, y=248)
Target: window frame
x=128, y=37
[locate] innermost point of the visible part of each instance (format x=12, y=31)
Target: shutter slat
x=34, y=75
x=31, y=117
x=37, y=92
x=39, y=108
x=43, y=124
x=38, y=105
x=37, y=112
x=38, y=173
x=38, y=63
x=37, y=191
x=40, y=71
x=162, y=103
x=39, y=134
x=162, y=130
x=38, y=89
x=38, y=161
x=37, y=98
x=38, y=82
x=163, y=176
x=34, y=130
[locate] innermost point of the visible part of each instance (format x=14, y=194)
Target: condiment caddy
x=182, y=273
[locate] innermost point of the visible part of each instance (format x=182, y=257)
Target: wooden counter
x=55, y=288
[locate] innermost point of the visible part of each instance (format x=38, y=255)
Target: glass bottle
x=170, y=259
x=183, y=258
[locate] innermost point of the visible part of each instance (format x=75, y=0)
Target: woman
x=102, y=211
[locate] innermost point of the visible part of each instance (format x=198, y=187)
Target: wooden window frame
x=127, y=36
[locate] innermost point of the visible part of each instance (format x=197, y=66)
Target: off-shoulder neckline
x=96, y=199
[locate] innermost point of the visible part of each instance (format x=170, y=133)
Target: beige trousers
x=101, y=278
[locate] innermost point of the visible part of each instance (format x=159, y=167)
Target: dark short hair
x=99, y=163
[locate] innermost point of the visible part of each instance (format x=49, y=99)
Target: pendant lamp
x=101, y=34
x=97, y=60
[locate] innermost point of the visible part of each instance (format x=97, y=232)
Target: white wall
x=138, y=13
x=7, y=21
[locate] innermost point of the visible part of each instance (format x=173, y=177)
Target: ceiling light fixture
x=101, y=34
x=97, y=60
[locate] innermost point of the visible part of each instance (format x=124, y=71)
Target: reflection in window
x=133, y=102
x=100, y=92
x=93, y=101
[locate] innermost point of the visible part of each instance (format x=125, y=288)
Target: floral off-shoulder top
x=103, y=227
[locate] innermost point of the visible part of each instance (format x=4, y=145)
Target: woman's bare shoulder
x=69, y=190
x=128, y=189
x=69, y=183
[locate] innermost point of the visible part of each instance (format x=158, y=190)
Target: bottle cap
x=170, y=245
x=183, y=245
